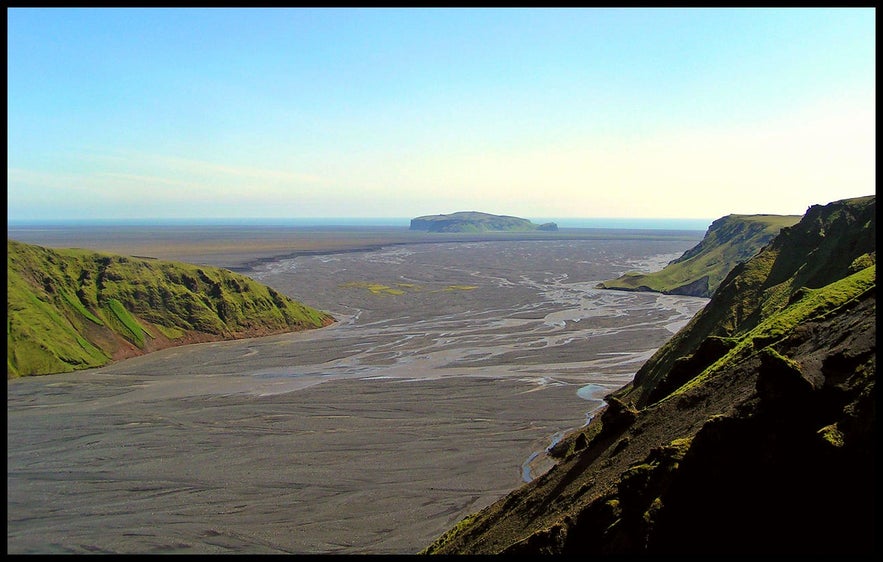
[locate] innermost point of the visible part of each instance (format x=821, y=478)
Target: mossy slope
x=729, y=241
x=752, y=432
x=828, y=244
x=75, y=309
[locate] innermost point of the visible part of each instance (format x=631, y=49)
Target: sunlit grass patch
x=460, y=287
x=808, y=304
x=401, y=288
x=375, y=288
x=130, y=325
x=171, y=332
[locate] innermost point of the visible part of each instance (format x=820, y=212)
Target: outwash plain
x=455, y=361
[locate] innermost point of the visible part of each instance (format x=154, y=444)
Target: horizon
x=123, y=114
x=621, y=223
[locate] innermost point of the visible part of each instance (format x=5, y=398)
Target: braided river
x=450, y=369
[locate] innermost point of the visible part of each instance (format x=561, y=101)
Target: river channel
x=450, y=369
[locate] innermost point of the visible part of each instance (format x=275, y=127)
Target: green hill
x=729, y=241
x=750, y=433
x=76, y=309
x=472, y=221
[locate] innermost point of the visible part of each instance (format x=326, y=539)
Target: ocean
x=587, y=222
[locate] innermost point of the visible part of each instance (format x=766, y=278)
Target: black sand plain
x=455, y=361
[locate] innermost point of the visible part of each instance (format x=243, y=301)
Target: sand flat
x=373, y=435
x=349, y=466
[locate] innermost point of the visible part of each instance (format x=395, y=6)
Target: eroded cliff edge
x=751, y=432
x=729, y=240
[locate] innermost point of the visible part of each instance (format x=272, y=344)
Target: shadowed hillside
x=752, y=432
x=729, y=241
x=76, y=309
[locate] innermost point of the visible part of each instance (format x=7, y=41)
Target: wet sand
x=452, y=366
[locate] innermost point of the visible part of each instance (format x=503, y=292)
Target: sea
x=588, y=222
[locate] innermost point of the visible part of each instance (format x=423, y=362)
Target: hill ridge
x=729, y=240
x=70, y=309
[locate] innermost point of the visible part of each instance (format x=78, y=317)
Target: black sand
x=453, y=363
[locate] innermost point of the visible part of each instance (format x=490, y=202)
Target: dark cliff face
x=757, y=438
x=697, y=288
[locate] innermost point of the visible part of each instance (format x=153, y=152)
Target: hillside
x=750, y=433
x=471, y=221
x=76, y=309
x=729, y=241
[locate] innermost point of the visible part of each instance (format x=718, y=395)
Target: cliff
x=76, y=309
x=730, y=240
x=752, y=432
x=471, y=221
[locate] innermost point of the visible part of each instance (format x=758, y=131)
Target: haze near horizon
x=124, y=113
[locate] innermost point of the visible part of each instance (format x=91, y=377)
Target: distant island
x=473, y=221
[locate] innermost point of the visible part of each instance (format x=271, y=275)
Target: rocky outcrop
x=729, y=241
x=471, y=221
x=75, y=309
x=752, y=432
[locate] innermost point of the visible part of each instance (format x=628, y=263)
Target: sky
x=123, y=113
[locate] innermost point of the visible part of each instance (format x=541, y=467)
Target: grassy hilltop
x=729, y=241
x=751, y=432
x=76, y=309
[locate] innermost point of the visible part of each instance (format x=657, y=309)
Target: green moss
x=831, y=435
x=682, y=444
x=815, y=303
x=375, y=288
x=171, y=332
x=460, y=287
x=380, y=289
x=770, y=353
x=655, y=506
x=637, y=470
x=80, y=308
x=775, y=298
x=40, y=339
x=863, y=261
x=132, y=330
x=450, y=534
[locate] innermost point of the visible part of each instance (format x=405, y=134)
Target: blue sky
x=553, y=113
